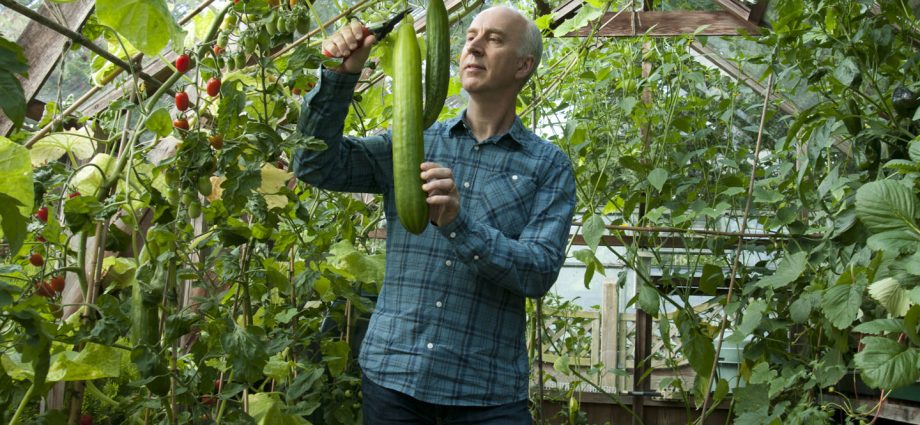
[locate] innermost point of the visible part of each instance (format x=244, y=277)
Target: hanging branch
x=77, y=38
x=738, y=249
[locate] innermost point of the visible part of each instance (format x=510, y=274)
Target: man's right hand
x=350, y=44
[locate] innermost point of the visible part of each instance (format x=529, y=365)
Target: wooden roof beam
x=669, y=24
x=753, y=14
x=44, y=46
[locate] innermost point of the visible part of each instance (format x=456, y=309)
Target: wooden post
x=610, y=320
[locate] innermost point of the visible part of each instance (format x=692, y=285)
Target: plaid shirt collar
x=514, y=138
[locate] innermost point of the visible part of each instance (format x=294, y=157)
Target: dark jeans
x=383, y=406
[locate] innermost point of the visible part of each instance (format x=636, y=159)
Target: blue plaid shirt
x=449, y=325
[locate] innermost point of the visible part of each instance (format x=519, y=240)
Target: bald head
x=530, y=41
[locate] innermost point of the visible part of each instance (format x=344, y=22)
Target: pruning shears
x=381, y=31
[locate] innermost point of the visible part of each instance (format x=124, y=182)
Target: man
x=446, y=341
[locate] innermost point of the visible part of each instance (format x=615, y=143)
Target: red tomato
x=213, y=86
x=181, y=100
x=36, y=259
x=57, y=283
x=182, y=63
x=216, y=141
x=42, y=214
x=43, y=289
x=181, y=123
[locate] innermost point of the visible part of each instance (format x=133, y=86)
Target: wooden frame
x=669, y=24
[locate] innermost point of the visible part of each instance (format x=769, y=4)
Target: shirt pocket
x=508, y=198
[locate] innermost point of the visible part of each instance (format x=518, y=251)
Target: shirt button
x=466, y=184
x=439, y=304
x=448, y=263
x=475, y=257
x=514, y=177
x=475, y=148
x=430, y=346
x=453, y=235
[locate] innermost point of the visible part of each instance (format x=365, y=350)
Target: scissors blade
x=382, y=31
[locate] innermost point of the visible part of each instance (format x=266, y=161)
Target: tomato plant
x=222, y=273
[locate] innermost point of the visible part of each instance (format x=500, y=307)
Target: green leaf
x=649, y=300
x=90, y=178
x=12, y=222
x=268, y=409
x=914, y=149
x=593, y=230
x=16, y=183
x=657, y=178
x=95, y=361
x=845, y=71
x=335, y=354
x=880, y=326
x=891, y=295
x=13, y=58
x=561, y=365
x=159, y=122
x=697, y=347
x=753, y=315
x=787, y=271
x=246, y=351
x=146, y=24
x=911, y=320
x=841, y=304
x=886, y=364
x=830, y=369
x=886, y=205
x=55, y=145
x=720, y=392
x=800, y=309
x=711, y=279
x=897, y=241
x=13, y=101
x=354, y=265
x=915, y=295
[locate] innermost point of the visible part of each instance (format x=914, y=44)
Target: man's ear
x=525, y=66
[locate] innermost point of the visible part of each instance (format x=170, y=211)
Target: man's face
x=489, y=60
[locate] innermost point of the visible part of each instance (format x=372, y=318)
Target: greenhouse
x=460, y=212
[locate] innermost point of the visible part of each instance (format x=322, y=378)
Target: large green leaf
x=12, y=222
x=15, y=182
x=897, y=241
x=55, y=145
x=93, y=362
x=841, y=303
x=649, y=300
x=159, y=122
x=245, y=348
x=13, y=101
x=90, y=178
x=354, y=265
x=13, y=58
x=891, y=295
x=711, y=279
x=658, y=177
x=788, y=270
x=593, y=230
x=268, y=409
x=886, y=205
x=885, y=363
x=146, y=24
x=751, y=320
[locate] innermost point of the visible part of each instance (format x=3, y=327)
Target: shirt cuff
x=457, y=231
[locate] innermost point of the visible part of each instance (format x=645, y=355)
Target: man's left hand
x=443, y=198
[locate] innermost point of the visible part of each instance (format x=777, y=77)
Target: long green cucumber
x=437, y=61
x=408, y=144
